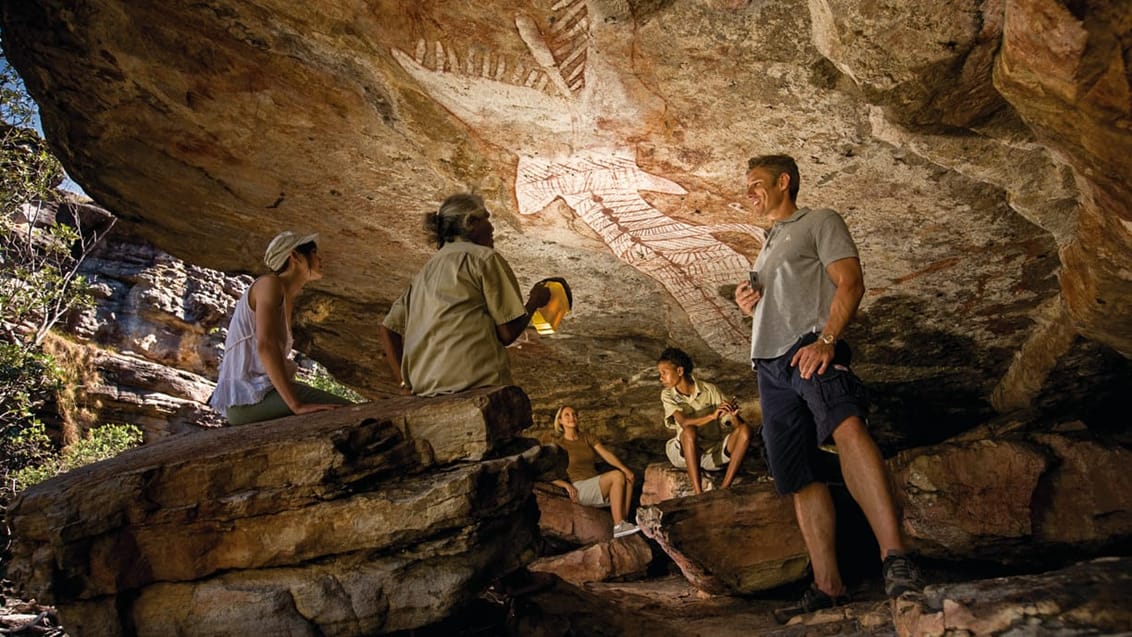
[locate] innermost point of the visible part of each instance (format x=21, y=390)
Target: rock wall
x=1008, y=495
x=147, y=351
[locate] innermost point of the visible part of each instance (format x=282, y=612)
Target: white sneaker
x=625, y=527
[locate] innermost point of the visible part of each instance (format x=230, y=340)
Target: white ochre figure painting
x=566, y=118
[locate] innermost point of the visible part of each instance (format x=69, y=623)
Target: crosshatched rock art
x=578, y=157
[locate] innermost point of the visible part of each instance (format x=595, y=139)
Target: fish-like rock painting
x=555, y=118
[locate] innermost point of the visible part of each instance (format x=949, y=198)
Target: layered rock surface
x=999, y=494
x=146, y=352
x=1084, y=599
x=978, y=150
x=367, y=519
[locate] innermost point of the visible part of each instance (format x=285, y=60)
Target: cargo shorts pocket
x=839, y=385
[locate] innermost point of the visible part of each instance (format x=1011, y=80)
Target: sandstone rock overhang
x=979, y=154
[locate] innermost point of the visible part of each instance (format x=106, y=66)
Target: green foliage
x=39, y=279
x=39, y=286
x=28, y=170
x=31, y=450
x=39, y=257
x=28, y=377
x=319, y=378
x=22, y=447
x=100, y=443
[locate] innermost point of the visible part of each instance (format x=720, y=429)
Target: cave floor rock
x=683, y=610
x=1086, y=598
x=666, y=606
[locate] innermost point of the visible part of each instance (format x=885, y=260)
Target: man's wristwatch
x=828, y=339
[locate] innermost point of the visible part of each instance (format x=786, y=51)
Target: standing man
x=806, y=287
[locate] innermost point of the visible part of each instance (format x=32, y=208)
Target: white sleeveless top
x=242, y=379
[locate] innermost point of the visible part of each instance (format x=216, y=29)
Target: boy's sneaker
x=901, y=576
x=813, y=599
x=625, y=527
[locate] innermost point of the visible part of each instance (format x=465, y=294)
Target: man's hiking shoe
x=625, y=527
x=900, y=576
x=813, y=599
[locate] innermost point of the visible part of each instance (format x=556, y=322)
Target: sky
x=68, y=183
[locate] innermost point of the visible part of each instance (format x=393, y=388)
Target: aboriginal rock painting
x=566, y=118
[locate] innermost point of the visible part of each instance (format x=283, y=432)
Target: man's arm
x=688, y=421
x=850, y=281
x=394, y=347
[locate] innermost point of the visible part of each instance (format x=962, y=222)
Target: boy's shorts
x=800, y=415
x=713, y=458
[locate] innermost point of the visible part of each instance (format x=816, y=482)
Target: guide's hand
x=539, y=295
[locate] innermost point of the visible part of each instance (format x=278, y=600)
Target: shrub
x=39, y=286
x=317, y=376
x=100, y=443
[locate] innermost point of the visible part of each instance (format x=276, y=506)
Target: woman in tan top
x=612, y=489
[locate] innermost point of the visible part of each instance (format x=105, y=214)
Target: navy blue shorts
x=800, y=415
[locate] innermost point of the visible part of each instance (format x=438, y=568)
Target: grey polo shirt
x=797, y=291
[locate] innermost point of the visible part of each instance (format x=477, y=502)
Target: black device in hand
x=753, y=279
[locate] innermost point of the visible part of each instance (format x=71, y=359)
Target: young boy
x=698, y=414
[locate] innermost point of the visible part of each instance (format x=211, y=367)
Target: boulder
x=664, y=482
x=566, y=521
x=366, y=592
x=1014, y=498
x=738, y=540
x=611, y=559
x=1086, y=499
x=967, y=498
x=365, y=519
x=162, y=400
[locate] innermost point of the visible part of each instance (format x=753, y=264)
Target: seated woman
x=256, y=380
x=612, y=489
x=447, y=332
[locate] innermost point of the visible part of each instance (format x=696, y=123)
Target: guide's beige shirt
x=447, y=320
